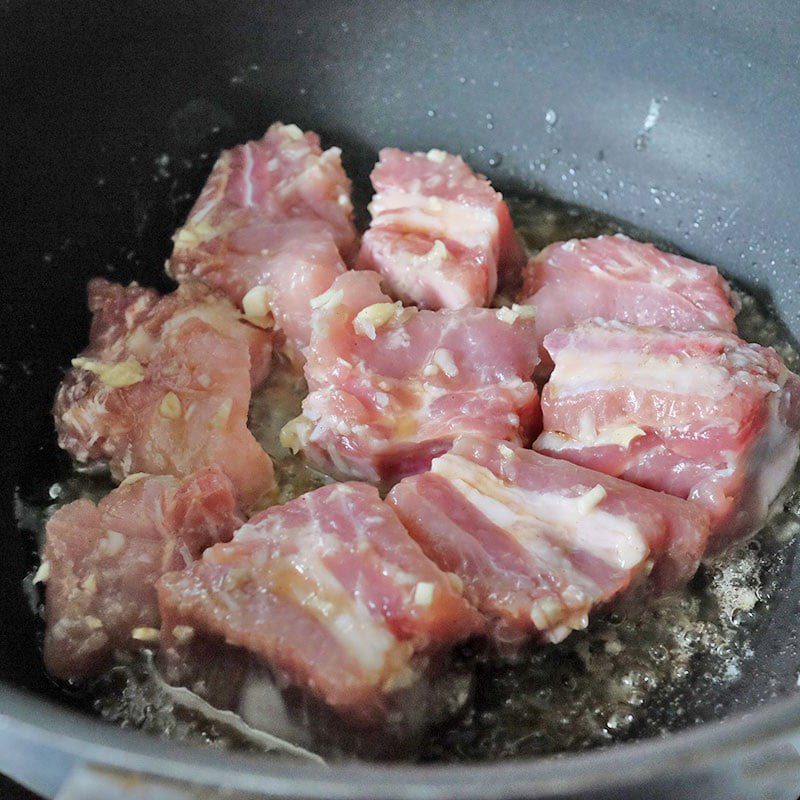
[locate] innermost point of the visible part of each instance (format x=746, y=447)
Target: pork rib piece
x=616, y=278
x=391, y=387
x=269, y=227
x=103, y=562
x=274, y=271
x=331, y=592
x=702, y=415
x=130, y=322
x=440, y=234
x=181, y=407
x=539, y=542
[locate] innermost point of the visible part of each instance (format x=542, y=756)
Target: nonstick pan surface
x=679, y=118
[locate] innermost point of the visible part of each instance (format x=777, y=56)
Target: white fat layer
x=347, y=618
x=578, y=371
x=471, y=226
x=621, y=436
x=431, y=274
x=656, y=267
x=529, y=516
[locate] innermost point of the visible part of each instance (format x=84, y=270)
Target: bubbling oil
x=642, y=670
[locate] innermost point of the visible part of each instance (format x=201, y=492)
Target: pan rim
x=44, y=722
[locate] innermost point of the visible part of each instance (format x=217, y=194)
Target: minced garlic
x=295, y=433
x=170, y=406
x=423, y=593
x=524, y=311
x=292, y=131
x=117, y=376
x=256, y=306
x=145, y=634
x=43, y=573
x=507, y=315
x=591, y=499
x=329, y=299
x=443, y=359
x=134, y=477
x=369, y=319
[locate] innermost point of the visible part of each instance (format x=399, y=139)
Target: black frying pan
x=542, y=96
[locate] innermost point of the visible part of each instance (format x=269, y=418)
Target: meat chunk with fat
x=331, y=592
x=283, y=176
x=391, y=387
x=538, y=542
x=617, y=278
x=274, y=271
x=101, y=564
x=183, y=406
x=270, y=229
x=129, y=322
x=440, y=234
x=704, y=416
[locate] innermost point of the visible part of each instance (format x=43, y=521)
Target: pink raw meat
x=275, y=271
x=616, y=278
x=183, y=406
x=440, y=234
x=275, y=213
x=538, y=542
x=702, y=415
x=331, y=592
x=130, y=321
x=391, y=387
x=103, y=562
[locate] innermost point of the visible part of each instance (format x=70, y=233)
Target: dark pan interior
x=114, y=112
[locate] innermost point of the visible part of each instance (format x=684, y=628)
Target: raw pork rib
x=440, y=234
x=539, y=542
x=102, y=563
x=130, y=321
x=269, y=227
x=704, y=416
x=616, y=278
x=274, y=271
x=329, y=590
x=164, y=388
x=391, y=387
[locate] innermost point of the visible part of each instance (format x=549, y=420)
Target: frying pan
x=112, y=115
